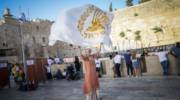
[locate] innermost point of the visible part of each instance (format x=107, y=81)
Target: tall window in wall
x=5, y=38
x=34, y=39
x=43, y=39
x=37, y=28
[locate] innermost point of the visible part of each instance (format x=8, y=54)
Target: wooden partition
x=36, y=71
x=4, y=77
x=40, y=69
x=31, y=75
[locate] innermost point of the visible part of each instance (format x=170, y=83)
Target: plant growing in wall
x=122, y=35
x=137, y=37
x=157, y=30
x=137, y=33
x=136, y=14
x=129, y=30
x=126, y=38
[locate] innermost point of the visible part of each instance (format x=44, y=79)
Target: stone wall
x=35, y=38
x=164, y=14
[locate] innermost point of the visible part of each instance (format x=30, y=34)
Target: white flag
x=84, y=26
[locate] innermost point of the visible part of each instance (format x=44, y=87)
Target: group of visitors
x=51, y=71
x=135, y=63
x=72, y=72
x=116, y=63
x=132, y=64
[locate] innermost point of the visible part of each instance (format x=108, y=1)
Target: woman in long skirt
x=91, y=82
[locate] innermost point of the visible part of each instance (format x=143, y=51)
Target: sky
x=50, y=9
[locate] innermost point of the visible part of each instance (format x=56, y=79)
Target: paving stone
x=143, y=88
x=165, y=98
x=125, y=98
x=145, y=98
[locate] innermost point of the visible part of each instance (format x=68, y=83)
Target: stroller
x=71, y=73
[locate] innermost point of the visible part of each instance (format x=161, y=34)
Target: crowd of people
x=136, y=64
x=132, y=62
x=71, y=72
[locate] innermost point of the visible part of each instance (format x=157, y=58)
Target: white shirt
x=50, y=62
x=98, y=63
x=117, y=59
x=48, y=69
x=162, y=55
x=57, y=60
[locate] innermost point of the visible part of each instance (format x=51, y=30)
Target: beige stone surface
x=35, y=37
x=172, y=65
x=153, y=66
x=161, y=13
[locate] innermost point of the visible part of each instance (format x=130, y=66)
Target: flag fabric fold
x=84, y=26
x=22, y=18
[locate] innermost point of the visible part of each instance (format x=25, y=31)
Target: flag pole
x=22, y=49
x=22, y=46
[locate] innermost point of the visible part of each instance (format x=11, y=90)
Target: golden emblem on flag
x=98, y=20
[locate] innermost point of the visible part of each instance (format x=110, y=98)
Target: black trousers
x=117, y=69
x=98, y=70
x=129, y=68
x=49, y=76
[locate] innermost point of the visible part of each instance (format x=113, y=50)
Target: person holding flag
x=85, y=26
x=91, y=83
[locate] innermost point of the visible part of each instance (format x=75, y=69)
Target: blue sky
x=50, y=9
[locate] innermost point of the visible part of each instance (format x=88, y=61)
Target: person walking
x=127, y=57
x=91, y=82
x=162, y=55
x=117, y=61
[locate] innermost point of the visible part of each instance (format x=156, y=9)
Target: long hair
x=134, y=55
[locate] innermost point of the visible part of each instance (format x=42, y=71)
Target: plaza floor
x=143, y=88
